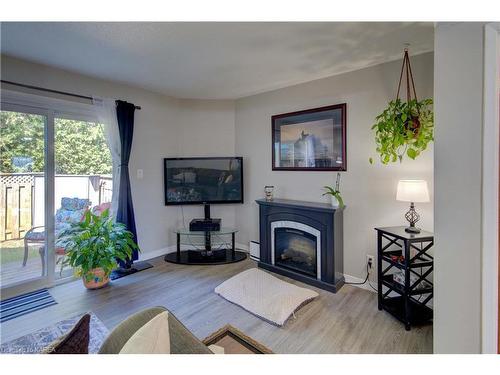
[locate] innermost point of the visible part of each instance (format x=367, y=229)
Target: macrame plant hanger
x=406, y=68
x=412, y=123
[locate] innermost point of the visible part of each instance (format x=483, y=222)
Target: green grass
x=13, y=251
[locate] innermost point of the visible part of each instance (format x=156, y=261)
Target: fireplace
x=295, y=249
x=302, y=240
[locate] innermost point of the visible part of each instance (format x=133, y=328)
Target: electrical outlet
x=370, y=259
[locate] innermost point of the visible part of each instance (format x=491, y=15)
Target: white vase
x=334, y=201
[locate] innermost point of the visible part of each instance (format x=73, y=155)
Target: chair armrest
x=124, y=331
x=182, y=341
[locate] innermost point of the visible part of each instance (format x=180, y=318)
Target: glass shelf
x=187, y=232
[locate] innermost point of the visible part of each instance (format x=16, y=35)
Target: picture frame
x=310, y=140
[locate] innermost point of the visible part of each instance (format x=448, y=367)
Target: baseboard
x=242, y=247
x=147, y=255
x=170, y=249
x=353, y=279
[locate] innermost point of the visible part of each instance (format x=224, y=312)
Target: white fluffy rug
x=266, y=296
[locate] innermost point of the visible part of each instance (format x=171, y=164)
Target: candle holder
x=269, y=190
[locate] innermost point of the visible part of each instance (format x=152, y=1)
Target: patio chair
x=71, y=211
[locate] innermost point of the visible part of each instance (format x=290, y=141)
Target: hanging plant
x=404, y=127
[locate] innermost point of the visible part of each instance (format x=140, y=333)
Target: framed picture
x=310, y=140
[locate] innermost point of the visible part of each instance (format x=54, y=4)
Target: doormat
x=14, y=307
x=136, y=267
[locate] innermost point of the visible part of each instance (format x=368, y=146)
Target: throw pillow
x=75, y=341
x=152, y=338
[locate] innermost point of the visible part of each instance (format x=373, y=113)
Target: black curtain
x=125, y=115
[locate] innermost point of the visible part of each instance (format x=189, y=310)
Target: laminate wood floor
x=346, y=322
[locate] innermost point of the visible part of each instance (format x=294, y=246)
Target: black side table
x=399, y=251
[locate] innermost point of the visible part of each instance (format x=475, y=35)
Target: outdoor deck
x=12, y=270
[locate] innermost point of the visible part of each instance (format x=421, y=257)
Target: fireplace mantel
x=322, y=217
x=302, y=205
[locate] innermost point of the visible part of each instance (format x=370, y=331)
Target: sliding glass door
x=54, y=165
x=26, y=183
x=83, y=176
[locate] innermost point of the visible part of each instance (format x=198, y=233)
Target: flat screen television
x=206, y=181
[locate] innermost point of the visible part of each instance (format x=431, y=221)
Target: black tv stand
x=205, y=254
x=208, y=239
x=207, y=211
x=206, y=224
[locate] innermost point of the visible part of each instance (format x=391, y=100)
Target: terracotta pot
x=413, y=124
x=98, y=280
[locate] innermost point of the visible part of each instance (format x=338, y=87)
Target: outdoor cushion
x=73, y=204
x=98, y=210
x=69, y=216
x=35, y=236
x=40, y=235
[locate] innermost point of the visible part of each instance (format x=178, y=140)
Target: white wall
x=207, y=129
x=458, y=89
x=369, y=190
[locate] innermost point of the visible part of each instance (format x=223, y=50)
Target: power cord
x=368, y=267
x=367, y=279
x=364, y=281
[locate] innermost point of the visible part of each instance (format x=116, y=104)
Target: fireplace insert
x=295, y=249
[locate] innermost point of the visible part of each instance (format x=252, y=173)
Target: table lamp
x=412, y=191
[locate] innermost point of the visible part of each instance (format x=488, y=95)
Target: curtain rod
x=53, y=91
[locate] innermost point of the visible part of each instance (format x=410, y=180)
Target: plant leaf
x=412, y=153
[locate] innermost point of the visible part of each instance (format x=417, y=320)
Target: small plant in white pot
x=334, y=193
x=94, y=246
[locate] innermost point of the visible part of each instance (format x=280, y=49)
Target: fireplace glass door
x=295, y=249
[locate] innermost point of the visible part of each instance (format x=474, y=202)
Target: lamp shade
x=412, y=191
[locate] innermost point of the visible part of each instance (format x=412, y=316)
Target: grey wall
x=369, y=190
x=458, y=141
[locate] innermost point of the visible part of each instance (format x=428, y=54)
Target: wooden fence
x=17, y=208
x=16, y=203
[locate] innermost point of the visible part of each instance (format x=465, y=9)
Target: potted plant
x=404, y=127
x=334, y=193
x=94, y=245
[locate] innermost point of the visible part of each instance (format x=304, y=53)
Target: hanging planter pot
x=404, y=127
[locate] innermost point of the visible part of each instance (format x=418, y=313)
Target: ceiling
x=213, y=60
